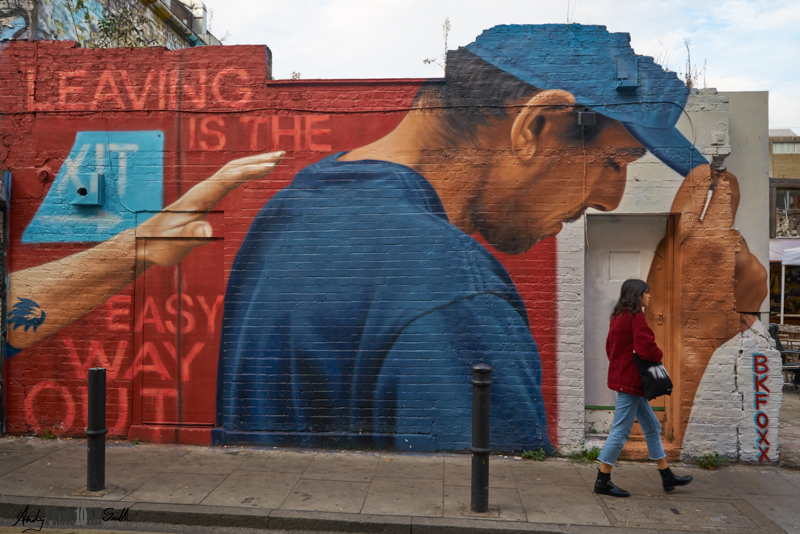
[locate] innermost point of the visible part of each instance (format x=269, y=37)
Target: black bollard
x=481, y=387
x=96, y=431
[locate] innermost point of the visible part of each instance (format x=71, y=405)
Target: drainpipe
x=164, y=12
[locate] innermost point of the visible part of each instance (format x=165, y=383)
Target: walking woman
x=629, y=333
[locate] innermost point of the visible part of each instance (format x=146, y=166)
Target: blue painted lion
x=26, y=313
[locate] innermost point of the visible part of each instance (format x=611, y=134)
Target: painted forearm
x=48, y=297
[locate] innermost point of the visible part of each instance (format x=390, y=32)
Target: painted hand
x=181, y=226
x=715, y=275
x=718, y=236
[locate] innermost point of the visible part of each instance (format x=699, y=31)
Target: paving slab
x=38, y=444
x=327, y=496
x=573, y=505
x=506, y=499
x=73, y=454
x=546, y=472
x=13, y=459
x=404, y=496
x=784, y=511
x=628, y=476
x=349, y=467
x=278, y=461
x=792, y=475
x=790, y=427
x=458, y=472
x=642, y=512
x=38, y=480
x=410, y=466
x=751, y=480
x=120, y=483
x=703, y=484
x=151, y=454
x=176, y=488
x=253, y=490
x=208, y=461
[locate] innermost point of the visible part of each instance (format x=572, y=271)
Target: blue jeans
x=628, y=407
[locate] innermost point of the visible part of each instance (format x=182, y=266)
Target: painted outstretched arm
x=48, y=297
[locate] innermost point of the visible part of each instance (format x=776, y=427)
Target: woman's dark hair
x=630, y=297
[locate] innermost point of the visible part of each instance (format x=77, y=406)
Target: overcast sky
x=746, y=45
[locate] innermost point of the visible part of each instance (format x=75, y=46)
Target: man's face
x=527, y=194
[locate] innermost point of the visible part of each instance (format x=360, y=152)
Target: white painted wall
x=570, y=248
x=723, y=419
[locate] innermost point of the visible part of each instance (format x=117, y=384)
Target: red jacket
x=627, y=334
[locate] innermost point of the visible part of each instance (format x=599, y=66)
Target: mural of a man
x=358, y=301
x=410, y=303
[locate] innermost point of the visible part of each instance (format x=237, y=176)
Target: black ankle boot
x=604, y=486
x=671, y=480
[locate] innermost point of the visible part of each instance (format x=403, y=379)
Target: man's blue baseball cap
x=604, y=74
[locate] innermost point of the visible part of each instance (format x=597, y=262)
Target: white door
x=618, y=247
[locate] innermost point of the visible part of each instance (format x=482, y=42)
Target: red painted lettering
x=107, y=78
x=762, y=437
x=157, y=365
x=112, y=312
x=760, y=364
x=187, y=360
x=277, y=133
x=245, y=92
x=254, y=131
x=30, y=402
x=167, y=92
x=159, y=394
x=122, y=420
x=762, y=420
x=311, y=131
x=162, y=89
x=192, y=132
x=197, y=96
x=30, y=78
x=761, y=383
x=154, y=319
x=761, y=398
x=211, y=312
x=137, y=101
x=170, y=306
x=64, y=89
x=97, y=355
x=220, y=137
x=764, y=457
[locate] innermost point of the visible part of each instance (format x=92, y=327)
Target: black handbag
x=655, y=379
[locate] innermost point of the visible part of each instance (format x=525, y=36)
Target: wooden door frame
x=673, y=341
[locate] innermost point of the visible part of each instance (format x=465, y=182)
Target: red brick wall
x=213, y=104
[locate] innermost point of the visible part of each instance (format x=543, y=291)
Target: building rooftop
x=783, y=132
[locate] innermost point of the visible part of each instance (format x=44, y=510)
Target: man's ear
x=531, y=122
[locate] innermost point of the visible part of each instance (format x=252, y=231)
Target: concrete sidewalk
x=382, y=492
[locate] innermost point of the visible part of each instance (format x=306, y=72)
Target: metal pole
x=96, y=431
x=481, y=386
